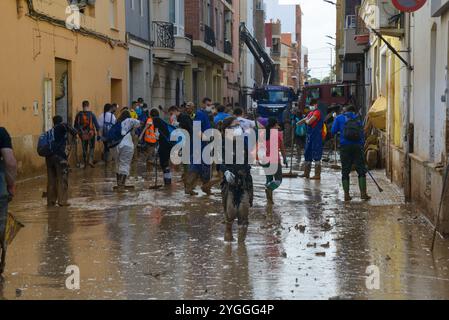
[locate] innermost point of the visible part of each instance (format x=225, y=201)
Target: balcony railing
x=209, y=36
x=228, y=47
x=163, y=34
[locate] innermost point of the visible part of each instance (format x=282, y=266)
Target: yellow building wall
x=27, y=58
x=394, y=92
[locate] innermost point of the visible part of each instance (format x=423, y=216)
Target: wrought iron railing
x=163, y=34
x=228, y=47
x=209, y=36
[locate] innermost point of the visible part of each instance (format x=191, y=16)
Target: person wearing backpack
x=124, y=147
x=314, y=142
x=164, y=144
x=106, y=121
x=87, y=125
x=352, y=140
x=57, y=164
x=8, y=174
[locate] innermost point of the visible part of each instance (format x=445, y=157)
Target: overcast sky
x=318, y=21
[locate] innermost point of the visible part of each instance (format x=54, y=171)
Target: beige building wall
x=96, y=65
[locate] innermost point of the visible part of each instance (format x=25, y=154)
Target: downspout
x=408, y=134
x=150, y=60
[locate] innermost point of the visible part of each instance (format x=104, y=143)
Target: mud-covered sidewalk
x=165, y=245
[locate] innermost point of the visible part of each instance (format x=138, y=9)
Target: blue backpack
x=172, y=129
x=107, y=125
x=45, y=143
x=114, y=136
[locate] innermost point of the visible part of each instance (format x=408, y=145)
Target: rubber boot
x=167, y=177
x=307, y=169
x=363, y=193
x=206, y=188
x=228, y=232
x=346, y=185
x=190, y=183
x=317, y=175
x=243, y=230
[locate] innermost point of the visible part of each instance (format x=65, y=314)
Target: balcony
x=228, y=47
x=209, y=36
x=163, y=39
x=382, y=16
x=351, y=50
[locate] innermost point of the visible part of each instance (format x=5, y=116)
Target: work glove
x=230, y=177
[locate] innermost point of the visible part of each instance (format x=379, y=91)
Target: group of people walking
x=122, y=130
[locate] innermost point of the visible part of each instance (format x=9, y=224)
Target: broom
x=335, y=164
x=291, y=174
x=156, y=186
x=446, y=177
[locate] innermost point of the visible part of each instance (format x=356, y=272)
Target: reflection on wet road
x=163, y=245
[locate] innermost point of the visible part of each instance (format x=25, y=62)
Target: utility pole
x=408, y=134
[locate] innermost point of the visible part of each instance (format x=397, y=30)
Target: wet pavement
x=162, y=244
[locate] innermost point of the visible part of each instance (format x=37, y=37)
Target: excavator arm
x=262, y=57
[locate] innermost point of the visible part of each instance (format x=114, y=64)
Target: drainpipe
x=150, y=60
x=407, y=133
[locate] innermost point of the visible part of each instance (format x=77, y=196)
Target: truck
x=272, y=100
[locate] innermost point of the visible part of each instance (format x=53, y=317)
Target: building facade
x=259, y=33
x=406, y=75
x=205, y=25
x=273, y=47
x=138, y=38
x=247, y=61
x=290, y=65
x=63, y=67
x=171, y=52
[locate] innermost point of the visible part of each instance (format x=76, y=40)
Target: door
x=48, y=104
x=62, y=89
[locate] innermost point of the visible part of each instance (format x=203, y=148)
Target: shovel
x=291, y=174
x=335, y=164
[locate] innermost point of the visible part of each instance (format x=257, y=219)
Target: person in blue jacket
x=352, y=141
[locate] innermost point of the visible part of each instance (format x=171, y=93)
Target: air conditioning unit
x=378, y=14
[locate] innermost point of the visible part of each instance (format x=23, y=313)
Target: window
x=176, y=16
x=313, y=93
x=338, y=92
x=141, y=8
x=113, y=13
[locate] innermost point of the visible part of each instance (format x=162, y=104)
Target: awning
x=377, y=114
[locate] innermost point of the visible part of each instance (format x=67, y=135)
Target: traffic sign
x=409, y=5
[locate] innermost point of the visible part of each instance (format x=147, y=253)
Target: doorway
x=116, y=91
x=62, y=90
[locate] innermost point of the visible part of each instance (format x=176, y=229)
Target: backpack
x=45, y=143
x=114, y=136
x=107, y=125
x=171, y=129
x=353, y=131
x=86, y=124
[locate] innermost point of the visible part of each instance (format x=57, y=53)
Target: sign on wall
x=409, y=5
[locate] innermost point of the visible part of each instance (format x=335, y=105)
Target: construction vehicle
x=272, y=100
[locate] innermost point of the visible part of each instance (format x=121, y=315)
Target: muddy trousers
x=123, y=159
x=3, y=220
x=352, y=155
x=106, y=152
x=88, y=149
x=198, y=172
x=58, y=180
x=236, y=209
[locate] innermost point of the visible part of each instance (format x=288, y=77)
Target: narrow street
x=163, y=245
